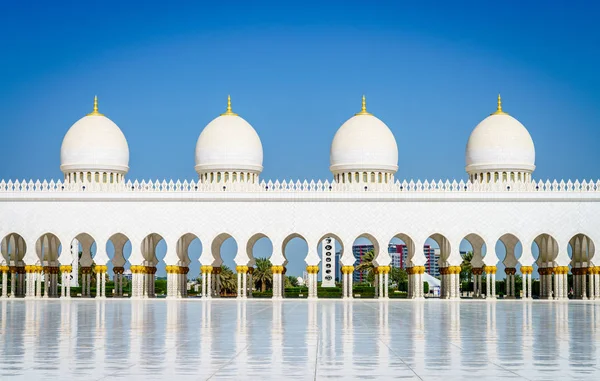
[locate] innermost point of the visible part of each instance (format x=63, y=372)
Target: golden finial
x=364, y=111
x=95, y=111
x=228, y=111
x=499, y=110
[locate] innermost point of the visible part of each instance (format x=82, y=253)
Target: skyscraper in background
x=399, y=254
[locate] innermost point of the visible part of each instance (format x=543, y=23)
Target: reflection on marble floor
x=255, y=340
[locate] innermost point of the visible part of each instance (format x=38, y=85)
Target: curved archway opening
x=153, y=248
x=83, y=249
x=509, y=249
x=331, y=249
x=260, y=249
x=295, y=250
x=13, y=249
x=48, y=248
x=224, y=283
x=188, y=250
x=118, y=248
x=365, y=249
x=402, y=251
x=581, y=250
x=472, y=250
x=441, y=251
x=551, y=283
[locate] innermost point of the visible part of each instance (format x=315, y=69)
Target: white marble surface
x=263, y=340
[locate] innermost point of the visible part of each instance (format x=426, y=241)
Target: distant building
x=359, y=252
x=432, y=267
x=399, y=254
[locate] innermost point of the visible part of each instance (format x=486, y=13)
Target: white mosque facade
x=44, y=224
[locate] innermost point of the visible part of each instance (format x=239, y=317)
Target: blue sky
x=296, y=72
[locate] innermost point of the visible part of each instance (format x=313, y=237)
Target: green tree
x=262, y=273
x=398, y=275
x=366, y=265
x=228, y=280
x=291, y=281
x=466, y=270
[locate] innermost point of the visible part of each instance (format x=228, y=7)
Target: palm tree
x=466, y=270
x=262, y=273
x=228, y=280
x=366, y=264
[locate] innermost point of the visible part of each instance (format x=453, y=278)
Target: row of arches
x=49, y=255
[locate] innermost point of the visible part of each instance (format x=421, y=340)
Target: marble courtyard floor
x=326, y=339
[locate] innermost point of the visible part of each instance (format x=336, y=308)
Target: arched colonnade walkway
x=27, y=262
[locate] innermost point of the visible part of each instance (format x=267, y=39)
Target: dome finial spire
x=228, y=111
x=364, y=111
x=95, y=111
x=499, y=110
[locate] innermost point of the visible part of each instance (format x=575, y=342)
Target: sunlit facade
x=45, y=224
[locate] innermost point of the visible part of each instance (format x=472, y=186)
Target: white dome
x=94, y=143
x=229, y=143
x=500, y=143
x=363, y=142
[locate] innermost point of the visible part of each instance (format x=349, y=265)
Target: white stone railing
x=298, y=186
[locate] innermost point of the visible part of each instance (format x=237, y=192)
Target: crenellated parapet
x=319, y=186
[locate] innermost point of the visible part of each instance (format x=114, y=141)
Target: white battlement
x=326, y=186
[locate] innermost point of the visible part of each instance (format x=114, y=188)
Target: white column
x=250, y=283
x=103, y=285
x=565, y=284
x=98, y=292
x=493, y=285
x=46, y=278
x=597, y=283
x=13, y=284
x=592, y=295
x=209, y=286
x=280, y=285
x=380, y=276
x=62, y=285
x=529, y=295
x=134, y=284
x=584, y=286
x=244, y=285
x=67, y=280
x=5, y=284
x=524, y=285
x=456, y=284
x=557, y=286
x=451, y=285
x=203, y=292
x=38, y=292
x=350, y=278
x=239, y=285
x=512, y=286
x=386, y=289
x=488, y=281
